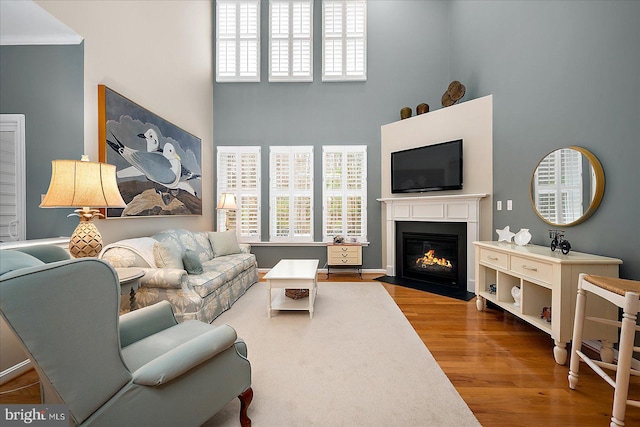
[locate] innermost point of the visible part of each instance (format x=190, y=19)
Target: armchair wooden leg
x=245, y=400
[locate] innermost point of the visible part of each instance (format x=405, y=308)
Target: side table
x=129, y=278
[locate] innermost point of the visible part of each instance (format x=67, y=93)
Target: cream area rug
x=358, y=362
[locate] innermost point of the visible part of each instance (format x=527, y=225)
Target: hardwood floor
x=502, y=367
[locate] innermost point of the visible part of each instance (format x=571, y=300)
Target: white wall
x=471, y=121
x=159, y=55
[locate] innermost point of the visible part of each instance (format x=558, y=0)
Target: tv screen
x=430, y=168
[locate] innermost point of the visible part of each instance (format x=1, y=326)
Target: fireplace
x=432, y=253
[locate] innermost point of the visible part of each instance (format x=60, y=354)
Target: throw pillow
x=191, y=262
x=167, y=255
x=224, y=243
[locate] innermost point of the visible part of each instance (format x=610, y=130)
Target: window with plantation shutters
x=558, y=188
x=238, y=40
x=290, y=40
x=344, y=192
x=238, y=172
x=344, y=40
x=291, y=194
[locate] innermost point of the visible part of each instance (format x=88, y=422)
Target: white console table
x=545, y=279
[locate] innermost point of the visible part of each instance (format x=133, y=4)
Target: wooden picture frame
x=158, y=165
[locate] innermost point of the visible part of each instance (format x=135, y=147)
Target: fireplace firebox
x=432, y=253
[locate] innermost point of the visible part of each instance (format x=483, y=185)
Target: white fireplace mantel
x=445, y=208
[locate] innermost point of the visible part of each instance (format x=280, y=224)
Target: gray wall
x=45, y=83
x=561, y=73
x=407, y=64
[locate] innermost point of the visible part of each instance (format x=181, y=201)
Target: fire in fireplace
x=432, y=253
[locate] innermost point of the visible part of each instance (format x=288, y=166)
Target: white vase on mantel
x=522, y=237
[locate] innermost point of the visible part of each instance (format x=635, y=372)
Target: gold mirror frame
x=597, y=195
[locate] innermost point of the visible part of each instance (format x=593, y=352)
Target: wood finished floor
x=502, y=367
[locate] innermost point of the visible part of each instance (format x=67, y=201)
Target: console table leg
x=480, y=303
x=560, y=352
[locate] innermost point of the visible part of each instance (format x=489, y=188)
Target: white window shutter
x=290, y=40
x=344, y=192
x=238, y=40
x=344, y=40
x=558, y=187
x=291, y=192
x=238, y=172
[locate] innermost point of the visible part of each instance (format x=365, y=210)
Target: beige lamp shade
x=227, y=201
x=82, y=184
x=86, y=185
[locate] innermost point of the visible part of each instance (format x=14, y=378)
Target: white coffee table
x=292, y=274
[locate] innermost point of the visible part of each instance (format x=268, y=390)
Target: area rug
x=358, y=362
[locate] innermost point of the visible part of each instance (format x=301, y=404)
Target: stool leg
x=576, y=344
x=625, y=353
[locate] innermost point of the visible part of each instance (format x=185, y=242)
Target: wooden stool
x=626, y=295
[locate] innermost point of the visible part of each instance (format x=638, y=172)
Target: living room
x=560, y=73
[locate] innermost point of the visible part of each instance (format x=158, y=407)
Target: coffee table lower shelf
x=279, y=301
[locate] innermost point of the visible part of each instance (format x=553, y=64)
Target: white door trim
x=16, y=123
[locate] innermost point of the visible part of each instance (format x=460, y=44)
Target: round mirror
x=567, y=186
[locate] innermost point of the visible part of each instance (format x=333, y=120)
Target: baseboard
x=324, y=270
x=595, y=345
x=15, y=371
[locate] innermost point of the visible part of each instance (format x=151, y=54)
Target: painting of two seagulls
x=158, y=165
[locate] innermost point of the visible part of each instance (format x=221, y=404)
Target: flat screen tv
x=431, y=168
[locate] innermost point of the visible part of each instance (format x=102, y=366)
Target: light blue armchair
x=140, y=369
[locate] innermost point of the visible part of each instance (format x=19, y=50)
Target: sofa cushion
x=224, y=243
x=167, y=255
x=197, y=241
x=219, y=271
x=191, y=262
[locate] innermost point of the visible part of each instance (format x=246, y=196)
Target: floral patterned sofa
x=200, y=273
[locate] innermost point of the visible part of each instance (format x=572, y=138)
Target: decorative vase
x=405, y=113
x=522, y=237
x=422, y=108
x=515, y=293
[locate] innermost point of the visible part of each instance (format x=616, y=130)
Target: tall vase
x=522, y=237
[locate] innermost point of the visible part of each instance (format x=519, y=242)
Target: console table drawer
x=497, y=259
x=534, y=269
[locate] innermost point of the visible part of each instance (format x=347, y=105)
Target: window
x=291, y=194
x=291, y=40
x=558, y=182
x=344, y=40
x=344, y=192
x=238, y=41
x=239, y=173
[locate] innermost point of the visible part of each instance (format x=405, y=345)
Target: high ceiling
x=24, y=22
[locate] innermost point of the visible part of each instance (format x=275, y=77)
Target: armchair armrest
x=179, y=360
x=168, y=278
x=245, y=248
x=146, y=321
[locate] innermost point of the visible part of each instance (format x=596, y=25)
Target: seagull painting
x=159, y=165
x=163, y=168
x=153, y=146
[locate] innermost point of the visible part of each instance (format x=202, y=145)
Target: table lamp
x=88, y=185
x=227, y=202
